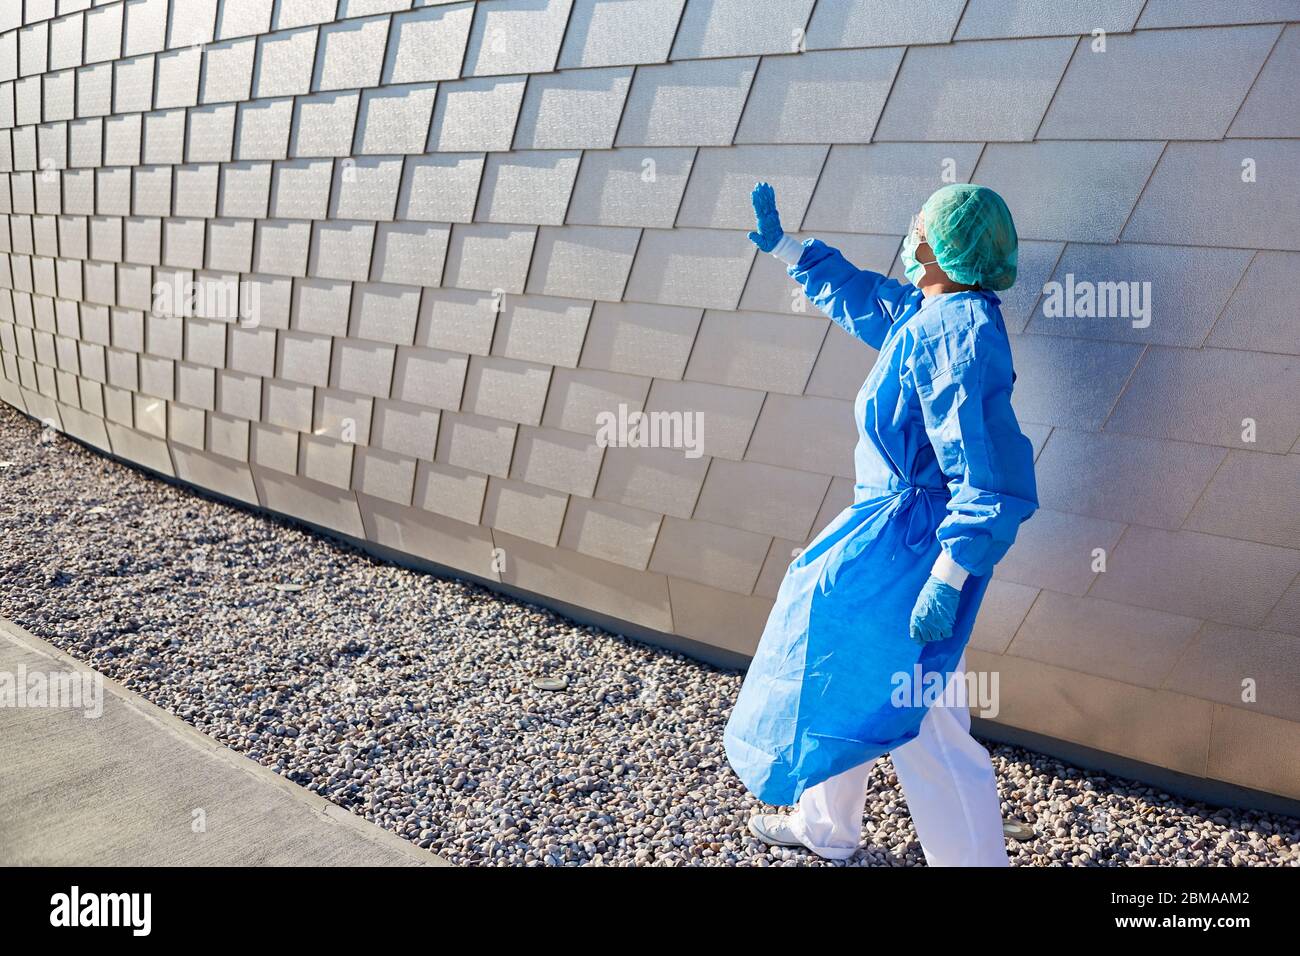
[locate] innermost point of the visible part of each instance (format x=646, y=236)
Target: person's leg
x=828, y=820
x=951, y=790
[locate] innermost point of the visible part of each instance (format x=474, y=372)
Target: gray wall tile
x=284, y=63
x=711, y=28
x=1166, y=398
x=506, y=389
x=701, y=267
x=639, y=339
x=1085, y=634
x=612, y=33
x=718, y=195
x=524, y=510
x=561, y=461
x=350, y=54
x=878, y=188
x=457, y=320
x=383, y=474
x=427, y=44
x=479, y=444
x=261, y=129
x=1251, y=319
x=1069, y=382
x=489, y=257
x=586, y=262
x=323, y=124
x=1206, y=576
x=1059, y=551
x=1265, y=112
x=812, y=431
x=630, y=187
x=1093, y=186
x=477, y=114
x=429, y=377
x=542, y=329
x=720, y=557
x=857, y=23
x=1159, y=84
x=579, y=399
x=692, y=103
x=515, y=36
x=1123, y=477
x=440, y=187
x=1236, y=209
x=527, y=187
x=1019, y=75
x=756, y=350
x=412, y=253
x=573, y=110
x=1167, y=295
x=1184, y=13
x=227, y=71
x=858, y=81
x=762, y=498
x=384, y=313
x=451, y=491
x=984, y=19
x=1243, y=500
x=609, y=531
x=395, y=119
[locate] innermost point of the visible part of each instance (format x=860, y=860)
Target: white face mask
x=913, y=269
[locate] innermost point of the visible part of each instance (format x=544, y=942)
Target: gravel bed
x=409, y=700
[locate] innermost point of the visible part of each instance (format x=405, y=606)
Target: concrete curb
x=267, y=820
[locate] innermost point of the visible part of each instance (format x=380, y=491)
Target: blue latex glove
x=935, y=611
x=769, y=230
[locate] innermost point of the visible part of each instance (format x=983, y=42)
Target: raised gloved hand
x=935, y=612
x=768, y=231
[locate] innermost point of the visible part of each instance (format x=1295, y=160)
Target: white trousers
x=950, y=787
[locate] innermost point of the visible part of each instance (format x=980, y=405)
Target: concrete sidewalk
x=123, y=789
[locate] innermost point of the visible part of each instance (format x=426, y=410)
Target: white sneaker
x=774, y=829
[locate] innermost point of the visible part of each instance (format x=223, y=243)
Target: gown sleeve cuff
x=949, y=571
x=789, y=250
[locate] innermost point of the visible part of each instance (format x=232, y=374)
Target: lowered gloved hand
x=769, y=230
x=935, y=612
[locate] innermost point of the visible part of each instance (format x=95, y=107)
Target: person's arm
x=863, y=303
x=988, y=461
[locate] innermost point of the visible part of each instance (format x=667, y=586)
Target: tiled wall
x=462, y=231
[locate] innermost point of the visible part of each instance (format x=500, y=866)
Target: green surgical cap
x=972, y=234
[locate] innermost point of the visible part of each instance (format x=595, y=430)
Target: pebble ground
x=409, y=699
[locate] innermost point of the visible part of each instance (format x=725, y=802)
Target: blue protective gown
x=940, y=462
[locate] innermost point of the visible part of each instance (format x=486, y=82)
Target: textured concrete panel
x=859, y=23
x=692, y=103
x=1175, y=84
x=857, y=81
x=1020, y=76
x=1255, y=398
x=1165, y=295
x=1242, y=199
x=986, y=19
x=1093, y=186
